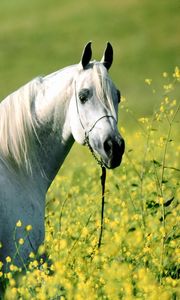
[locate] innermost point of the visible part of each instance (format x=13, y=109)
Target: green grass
x=41, y=36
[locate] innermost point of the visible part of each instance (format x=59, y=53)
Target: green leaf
x=168, y=202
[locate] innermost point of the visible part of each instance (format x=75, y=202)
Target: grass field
x=39, y=37
x=139, y=257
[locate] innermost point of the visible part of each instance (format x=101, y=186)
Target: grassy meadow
x=139, y=256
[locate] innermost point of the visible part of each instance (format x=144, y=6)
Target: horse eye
x=119, y=96
x=83, y=95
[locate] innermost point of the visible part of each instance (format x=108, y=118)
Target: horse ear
x=86, y=56
x=107, y=58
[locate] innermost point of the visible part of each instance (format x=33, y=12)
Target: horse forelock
x=17, y=126
x=104, y=87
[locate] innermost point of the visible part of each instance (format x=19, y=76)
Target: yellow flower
x=1, y=274
x=143, y=120
x=31, y=255
x=1, y=264
x=85, y=232
x=35, y=263
x=166, y=100
x=8, y=275
x=41, y=249
x=19, y=223
x=162, y=231
x=173, y=103
x=176, y=73
x=12, y=282
x=8, y=259
x=148, y=81
x=13, y=268
x=165, y=74
x=168, y=87
x=161, y=108
x=28, y=228
x=123, y=99
x=52, y=268
x=45, y=266
x=122, y=129
x=63, y=244
x=146, y=249
x=171, y=112
x=161, y=200
x=21, y=241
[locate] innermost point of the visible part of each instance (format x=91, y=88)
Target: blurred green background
x=38, y=37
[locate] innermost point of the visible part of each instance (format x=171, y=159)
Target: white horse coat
x=38, y=125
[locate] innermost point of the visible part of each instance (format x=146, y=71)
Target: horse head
x=94, y=108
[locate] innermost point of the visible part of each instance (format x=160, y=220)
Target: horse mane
x=18, y=122
x=17, y=126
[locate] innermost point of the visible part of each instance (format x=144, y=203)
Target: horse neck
x=54, y=133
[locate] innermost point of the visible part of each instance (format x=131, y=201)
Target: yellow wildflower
x=161, y=108
x=161, y=200
x=21, y=241
x=28, y=228
x=31, y=255
x=122, y=129
x=123, y=99
x=148, y=81
x=35, y=263
x=176, y=73
x=85, y=232
x=8, y=275
x=162, y=231
x=12, y=282
x=165, y=74
x=168, y=87
x=173, y=103
x=8, y=259
x=19, y=223
x=1, y=264
x=166, y=100
x=41, y=249
x=13, y=268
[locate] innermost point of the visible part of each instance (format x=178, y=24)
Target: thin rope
x=103, y=181
x=99, y=162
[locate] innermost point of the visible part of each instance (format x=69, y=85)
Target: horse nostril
x=108, y=146
x=112, y=147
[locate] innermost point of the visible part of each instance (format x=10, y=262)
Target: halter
x=86, y=133
x=99, y=161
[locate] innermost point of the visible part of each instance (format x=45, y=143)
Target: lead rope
x=103, y=182
x=103, y=169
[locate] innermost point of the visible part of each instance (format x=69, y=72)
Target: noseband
x=86, y=133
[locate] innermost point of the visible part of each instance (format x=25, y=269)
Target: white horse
x=38, y=125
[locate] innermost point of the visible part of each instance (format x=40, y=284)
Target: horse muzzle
x=113, y=149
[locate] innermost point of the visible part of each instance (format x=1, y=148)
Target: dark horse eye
x=119, y=96
x=83, y=95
